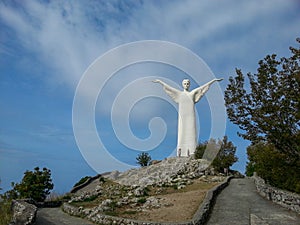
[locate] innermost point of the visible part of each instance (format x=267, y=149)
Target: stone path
x=55, y=216
x=240, y=204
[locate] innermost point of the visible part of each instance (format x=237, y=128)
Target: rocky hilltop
x=162, y=172
x=137, y=192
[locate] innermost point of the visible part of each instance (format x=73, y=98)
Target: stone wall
x=200, y=217
x=205, y=209
x=286, y=199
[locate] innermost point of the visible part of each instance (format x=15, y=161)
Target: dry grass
x=176, y=205
x=5, y=212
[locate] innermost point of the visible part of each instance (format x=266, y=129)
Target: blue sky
x=46, y=46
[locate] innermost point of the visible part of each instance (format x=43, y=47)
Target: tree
x=267, y=109
x=200, y=149
x=269, y=163
x=224, y=155
x=143, y=159
x=270, y=110
x=35, y=185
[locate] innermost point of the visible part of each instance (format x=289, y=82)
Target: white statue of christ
x=187, y=132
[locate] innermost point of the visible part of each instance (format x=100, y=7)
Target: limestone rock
x=164, y=171
x=23, y=212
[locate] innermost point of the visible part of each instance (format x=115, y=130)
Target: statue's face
x=186, y=84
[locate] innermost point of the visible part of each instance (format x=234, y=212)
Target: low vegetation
x=143, y=159
x=35, y=185
x=5, y=212
x=224, y=156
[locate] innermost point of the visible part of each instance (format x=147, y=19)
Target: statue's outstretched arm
x=172, y=92
x=200, y=91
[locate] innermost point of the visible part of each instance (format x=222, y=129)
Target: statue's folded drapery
x=187, y=132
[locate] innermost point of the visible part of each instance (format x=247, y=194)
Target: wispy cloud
x=54, y=42
x=68, y=36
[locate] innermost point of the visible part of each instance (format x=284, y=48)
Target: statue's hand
x=156, y=81
x=219, y=79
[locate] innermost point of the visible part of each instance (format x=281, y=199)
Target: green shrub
x=141, y=200
x=102, y=179
x=35, y=185
x=275, y=167
x=200, y=149
x=143, y=159
x=91, y=198
x=222, y=152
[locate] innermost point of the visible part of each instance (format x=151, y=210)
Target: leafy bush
x=273, y=166
x=102, y=179
x=91, y=198
x=224, y=156
x=200, y=149
x=143, y=159
x=35, y=185
x=141, y=200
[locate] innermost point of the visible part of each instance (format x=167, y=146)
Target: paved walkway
x=55, y=216
x=240, y=204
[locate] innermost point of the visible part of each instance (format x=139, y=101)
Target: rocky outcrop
x=163, y=172
x=284, y=198
x=129, y=189
x=96, y=214
x=23, y=213
x=176, y=172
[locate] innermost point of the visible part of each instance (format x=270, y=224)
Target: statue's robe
x=187, y=131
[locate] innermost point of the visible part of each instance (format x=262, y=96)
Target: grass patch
x=141, y=200
x=111, y=213
x=90, y=199
x=131, y=212
x=5, y=212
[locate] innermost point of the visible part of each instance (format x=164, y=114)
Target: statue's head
x=186, y=84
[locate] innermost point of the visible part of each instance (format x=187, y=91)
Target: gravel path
x=55, y=216
x=240, y=204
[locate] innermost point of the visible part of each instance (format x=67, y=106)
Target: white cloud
x=68, y=36
x=65, y=37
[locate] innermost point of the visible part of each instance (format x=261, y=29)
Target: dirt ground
x=176, y=207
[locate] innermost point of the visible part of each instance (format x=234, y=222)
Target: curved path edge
x=240, y=204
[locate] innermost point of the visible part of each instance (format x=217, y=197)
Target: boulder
x=23, y=212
